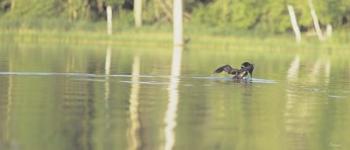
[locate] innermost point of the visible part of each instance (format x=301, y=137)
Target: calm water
x=100, y=98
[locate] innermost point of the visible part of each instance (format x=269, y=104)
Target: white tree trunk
x=178, y=22
x=329, y=31
x=138, y=12
x=13, y=4
x=315, y=20
x=294, y=22
x=109, y=20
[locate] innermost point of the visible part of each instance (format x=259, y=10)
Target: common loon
x=238, y=74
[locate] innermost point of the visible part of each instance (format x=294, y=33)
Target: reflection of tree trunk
x=134, y=130
x=292, y=77
x=70, y=63
x=9, y=102
x=327, y=71
x=89, y=113
x=171, y=113
x=303, y=108
x=107, y=87
x=320, y=65
x=294, y=69
x=315, y=71
x=295, y=110
x=78, y=106
x=88, y=106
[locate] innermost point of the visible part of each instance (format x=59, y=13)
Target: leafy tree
x=266, y=15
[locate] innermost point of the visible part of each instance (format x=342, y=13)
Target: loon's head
x=248, y=67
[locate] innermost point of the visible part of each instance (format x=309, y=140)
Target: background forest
x=263, y=15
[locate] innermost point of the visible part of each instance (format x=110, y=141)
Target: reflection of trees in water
x=295, y=119
x=251, y=112
x=6, y=102
x=316, y=71
x=107, y=86
x=304, y=107
x=171, y=113
x=9, y=103
x=79, y=111
x=134, y=128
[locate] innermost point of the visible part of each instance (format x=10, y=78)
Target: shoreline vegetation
x=207, y=23
x=161, y=36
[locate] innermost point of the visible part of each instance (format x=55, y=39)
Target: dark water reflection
x=75, y=98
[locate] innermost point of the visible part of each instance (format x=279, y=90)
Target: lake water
x=55, y=97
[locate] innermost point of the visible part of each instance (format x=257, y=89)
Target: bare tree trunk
x=86, y=6
x=13, y=4
x=72, y=10
x=99, y=6
x=294, y=22
x=138, y=12
x=165, y=9
x=178, y=22
x=315, y=20
x=109, y=20
x=329, y=31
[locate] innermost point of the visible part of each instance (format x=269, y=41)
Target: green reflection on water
x=306, y=108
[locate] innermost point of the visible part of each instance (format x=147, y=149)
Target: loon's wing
x=227, y=68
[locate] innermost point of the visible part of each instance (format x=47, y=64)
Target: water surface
x=101, y=98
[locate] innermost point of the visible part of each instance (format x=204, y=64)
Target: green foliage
x=32, y=9
x=270, y=15
x=115, y=2
x=234, y=15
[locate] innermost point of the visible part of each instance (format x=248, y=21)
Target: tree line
x=266, y=15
